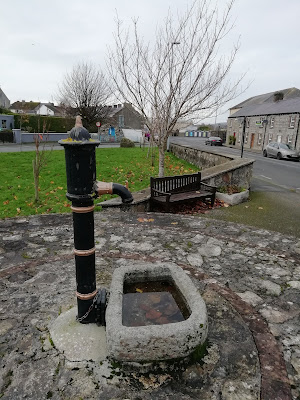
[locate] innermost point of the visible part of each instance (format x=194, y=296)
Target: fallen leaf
x=6, y=202
x=140, y=219
x=150, y=219
x=226, y=205
x=174, y=223
x=246, y=206
x=138, y=290
x=18, y=210
x=260, y=208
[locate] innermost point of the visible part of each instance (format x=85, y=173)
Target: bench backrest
x=176, y=184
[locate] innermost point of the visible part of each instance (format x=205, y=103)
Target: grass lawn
x=113, y=165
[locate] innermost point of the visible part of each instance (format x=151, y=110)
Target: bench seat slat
x=177, y=197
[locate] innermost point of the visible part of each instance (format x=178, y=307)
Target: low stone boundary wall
x=26, y=137
x=217, y=169
x=200, y=158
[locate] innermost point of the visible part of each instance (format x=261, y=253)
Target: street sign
x=98, y=124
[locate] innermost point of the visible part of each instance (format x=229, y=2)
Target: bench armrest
x=209, y=186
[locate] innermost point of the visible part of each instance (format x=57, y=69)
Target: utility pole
x=243, y=137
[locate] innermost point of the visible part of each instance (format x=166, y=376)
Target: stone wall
x=217, y=169
x=237, y=172
x=200, y=158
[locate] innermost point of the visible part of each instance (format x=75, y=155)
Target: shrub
x=232, y=140
x=6, y=135
x=127, y=143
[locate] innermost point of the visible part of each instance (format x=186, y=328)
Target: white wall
x=44, y=110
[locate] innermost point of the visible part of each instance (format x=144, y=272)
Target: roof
x=24, y=105
x=50, y=106
x=290, y=106
x=289, y=93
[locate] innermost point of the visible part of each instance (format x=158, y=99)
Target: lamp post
x=243, y=136
x=265, y=123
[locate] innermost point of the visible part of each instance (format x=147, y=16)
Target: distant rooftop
x=269, y=108
x=290, y=93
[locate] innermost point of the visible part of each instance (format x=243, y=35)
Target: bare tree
x=84, y=91
x=181, y=74
x=40, y=159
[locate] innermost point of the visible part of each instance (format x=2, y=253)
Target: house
x=270, y=117
x=33, y=108
x=24, y=107
x=124, y=116
x=48, y=109
x=4, y=101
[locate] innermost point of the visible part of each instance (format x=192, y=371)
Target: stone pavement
x=249, y=278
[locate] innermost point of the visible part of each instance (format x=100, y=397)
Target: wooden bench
x=177, y=189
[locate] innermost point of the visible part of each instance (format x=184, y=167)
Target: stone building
x=124, y=116
x=271, y=117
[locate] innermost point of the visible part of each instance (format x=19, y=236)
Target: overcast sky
x=41, y=41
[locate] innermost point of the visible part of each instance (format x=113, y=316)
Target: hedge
x=34, y=123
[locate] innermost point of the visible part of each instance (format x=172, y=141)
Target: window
x=272, y=120
x=278, y=138
x=239, y=137
x=247, y=122
x=289, y=139
x=270, y=137
x=121, y=121
x=230, y=123
x=292, y=121
x=259, y=137
x=246, y=137
x=241, y=122
x=3, y=123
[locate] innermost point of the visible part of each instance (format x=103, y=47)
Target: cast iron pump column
x=81, y=175
x=82, y=188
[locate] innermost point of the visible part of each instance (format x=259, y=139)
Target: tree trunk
x=161, y=163
x=36, y=181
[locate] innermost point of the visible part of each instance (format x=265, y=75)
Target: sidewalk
x=249, y=278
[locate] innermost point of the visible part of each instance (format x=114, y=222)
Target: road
x=269, y=174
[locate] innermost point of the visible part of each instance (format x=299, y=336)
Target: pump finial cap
x=79, y=132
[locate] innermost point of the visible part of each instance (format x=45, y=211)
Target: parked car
x=214, y=141
x=280, y=151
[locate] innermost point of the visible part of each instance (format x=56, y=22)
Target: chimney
x=278, y=96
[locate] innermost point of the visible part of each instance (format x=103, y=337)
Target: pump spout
x=113, y=188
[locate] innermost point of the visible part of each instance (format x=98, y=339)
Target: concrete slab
x=78, y=342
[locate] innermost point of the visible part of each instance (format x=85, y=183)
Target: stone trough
x=154, y=342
